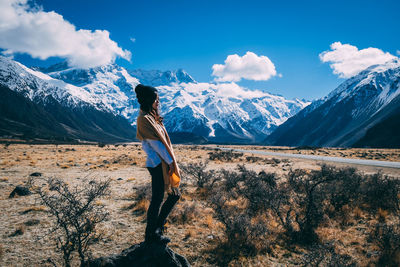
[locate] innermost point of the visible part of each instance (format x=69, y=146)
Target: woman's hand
x=171, y=168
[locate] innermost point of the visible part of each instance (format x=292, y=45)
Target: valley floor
x=124, y=165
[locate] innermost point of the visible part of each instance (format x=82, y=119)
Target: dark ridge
x=385, y=134
x=49, y=121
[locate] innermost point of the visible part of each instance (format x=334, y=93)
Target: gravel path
x=377, y=163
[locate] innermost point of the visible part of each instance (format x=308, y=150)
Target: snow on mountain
x=36, y=85
x=220, y=112
x=380, y=77
x=36, y=105
x=111, y=83
x=208, y=110
x=157, y=77
x=212, y=108
x=344, y=116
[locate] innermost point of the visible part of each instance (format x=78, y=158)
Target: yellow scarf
x=150, y=128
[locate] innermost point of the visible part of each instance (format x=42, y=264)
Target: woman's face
x=156, y=103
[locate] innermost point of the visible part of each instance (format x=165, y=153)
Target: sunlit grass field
x=195, y=229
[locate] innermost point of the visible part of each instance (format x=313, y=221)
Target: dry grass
x=209, y=221
x=99, y=203
x=360, y=153
x=185, y=213
x=190, y=233
x=192, y=226
x=382, y=215
x=142, y=206
x=33, y=208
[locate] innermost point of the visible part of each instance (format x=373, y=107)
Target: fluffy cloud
x=249, y=67
x=24, y=29
x=346, y=60
x=398, y=52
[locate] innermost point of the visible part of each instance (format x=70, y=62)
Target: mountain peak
x=393, y=64
x=348, y=112
x=158, y=77
x=206, y=111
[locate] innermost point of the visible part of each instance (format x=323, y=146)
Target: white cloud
x=132, y=39
x=24, y=29
x=249, y=67
x=347, y=61
x=398, y=52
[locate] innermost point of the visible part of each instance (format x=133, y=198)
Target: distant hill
x=362, y=111
x=35, y=106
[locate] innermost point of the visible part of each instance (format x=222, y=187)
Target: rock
x=32, y=222
x=20, y=191
x=36, y=174
x=119, y=179
x=143, y=254
x=19, y=231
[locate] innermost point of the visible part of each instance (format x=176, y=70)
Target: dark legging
x=155, y=217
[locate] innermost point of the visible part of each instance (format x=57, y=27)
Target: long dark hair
x=146, y=96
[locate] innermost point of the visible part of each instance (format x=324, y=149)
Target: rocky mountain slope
x=194, y=112
x=350, y=114
x=36, y=106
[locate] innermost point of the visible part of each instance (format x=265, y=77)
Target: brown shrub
x=197, y=173
x=185, y=213
x=326, y=255
x=75, y=214
x=387, y=237
x=246, y=232
x=142, y=192
x=380, y=191
x=382, y=215
x=225, y=156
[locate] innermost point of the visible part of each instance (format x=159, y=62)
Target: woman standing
x=161, y=162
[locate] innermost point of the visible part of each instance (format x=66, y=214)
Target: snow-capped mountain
x=217, y=112
x=111, y=84
x=213, y=111
x=36, y=105
x=206, y=110
x=344, y=116
x=37, y=86
x=157, y=78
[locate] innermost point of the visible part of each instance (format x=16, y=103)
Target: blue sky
x=196, y=35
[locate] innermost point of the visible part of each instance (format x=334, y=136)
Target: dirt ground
x=355, y=153
x=124, y=165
